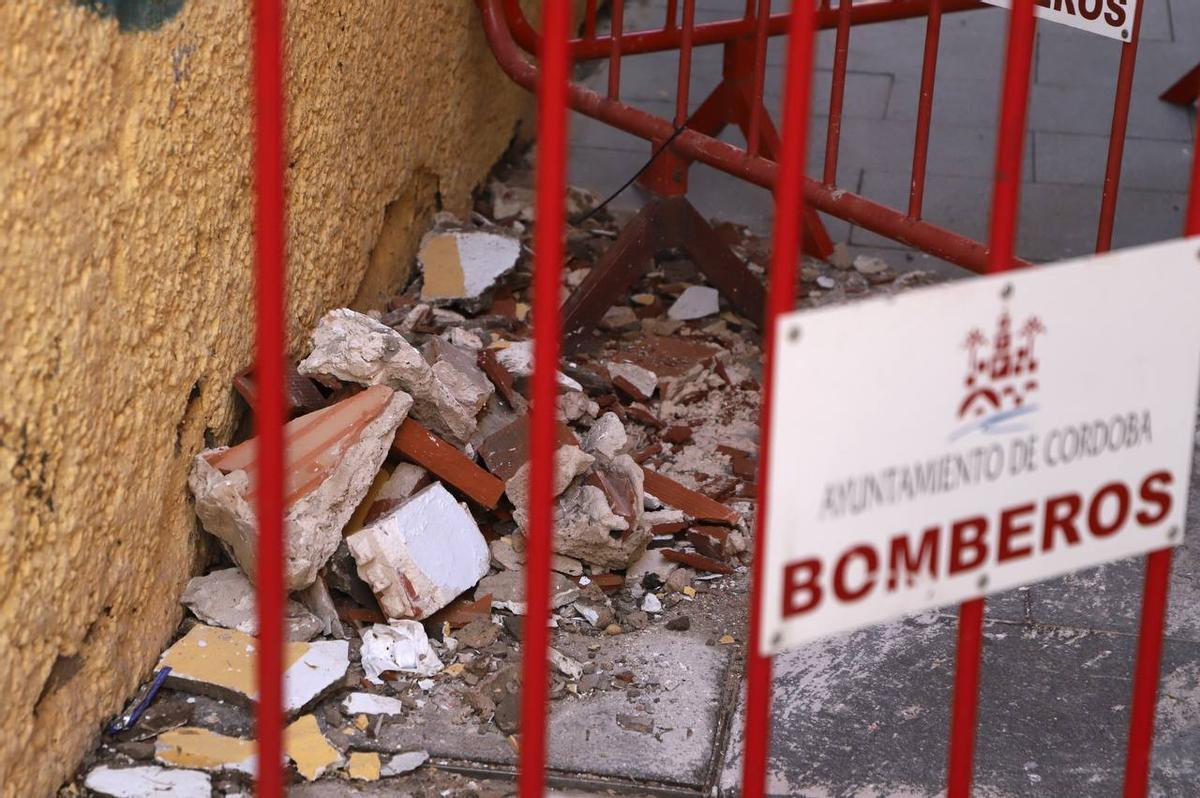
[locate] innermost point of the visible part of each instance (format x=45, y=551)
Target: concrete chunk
x=607, y=437
x=226, y=598
x=333, y=456
x=353, y=347
x=421, y=555
x=569, y=462
x=459, y=371
x=508, y=591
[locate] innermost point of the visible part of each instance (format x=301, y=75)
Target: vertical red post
x=837, y=92
x=617, y=15
x=933, y=35
x=1005, y=206
x=789, y=207
x=1154, y=610
x=270, y=307
x=547, y=272
x=1116, y=137
x=684, y=78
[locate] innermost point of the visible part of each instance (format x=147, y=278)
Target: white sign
x=961, y=440
x=1111, y=18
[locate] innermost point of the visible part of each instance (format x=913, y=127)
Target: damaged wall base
x=126, y=204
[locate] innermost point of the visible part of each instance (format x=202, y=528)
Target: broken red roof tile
x=453, y=467
x=694, y=504
x=300, y=392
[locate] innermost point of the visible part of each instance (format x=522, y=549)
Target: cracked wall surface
x=125, y=207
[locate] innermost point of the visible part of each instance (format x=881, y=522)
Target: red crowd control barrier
x=771, y=160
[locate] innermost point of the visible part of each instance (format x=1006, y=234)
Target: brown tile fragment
x=506, y=450
x=642, y=414
x=503, y=380
x=679, y=433
x=642, y=455
x=629, y=389
x=462, y=611
x=697, y=561
x=424, y=448
x=607, y=582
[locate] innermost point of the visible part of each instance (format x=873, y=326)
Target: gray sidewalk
x=1070, y=116
x=867, y=714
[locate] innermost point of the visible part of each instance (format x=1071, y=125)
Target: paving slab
x=1056, y=221
x=867, y=714
x=682, y=683
x=1081, y=160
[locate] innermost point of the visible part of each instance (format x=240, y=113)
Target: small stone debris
x=868, y=265
x=651, y=604
x=226, y=598
x=422, y=555
x=696, y=302
x=148, y=781
x=680, y=623
x=517, y=359
x=403, y=763
x=459, y=266
x=478, y=634
x=220, y=663
x=399, y=646
x=567, y=666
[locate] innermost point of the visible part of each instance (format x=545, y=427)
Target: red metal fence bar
x=547, y=282
x=1154, y=603
x=789, y=206
x=1005, y=208
x=270, y=309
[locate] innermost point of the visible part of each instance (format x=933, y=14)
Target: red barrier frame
x=791, y=192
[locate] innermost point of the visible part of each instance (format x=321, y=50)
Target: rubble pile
x=406, y=490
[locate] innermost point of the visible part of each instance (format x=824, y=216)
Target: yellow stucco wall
x=125, y=298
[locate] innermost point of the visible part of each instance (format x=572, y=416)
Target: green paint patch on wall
x=135, y=15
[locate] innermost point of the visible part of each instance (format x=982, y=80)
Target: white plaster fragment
x=372, y=704
x=421, y=555
x=696, y=302
x=226, y=598
x=398, y=646
x=148, y=781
